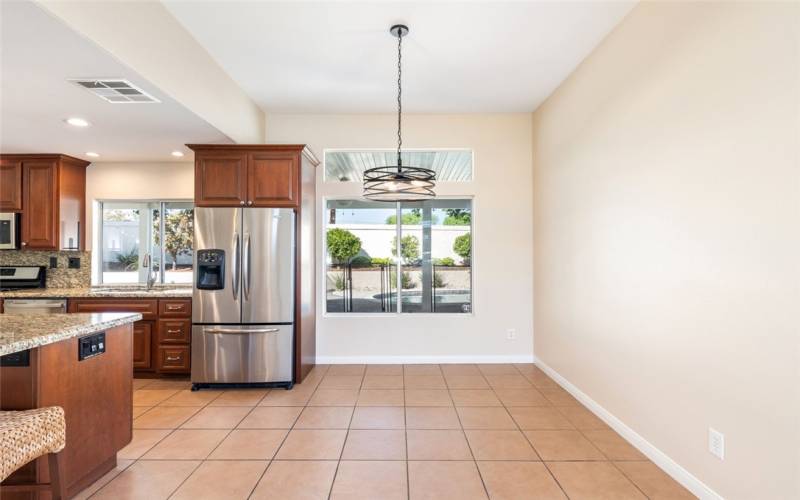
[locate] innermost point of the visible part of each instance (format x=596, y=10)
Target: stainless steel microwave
x=9, y=230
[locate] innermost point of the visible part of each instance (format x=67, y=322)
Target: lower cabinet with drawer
x=161, y=340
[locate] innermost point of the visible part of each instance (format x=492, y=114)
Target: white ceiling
x=339, y=57
x=39, y=53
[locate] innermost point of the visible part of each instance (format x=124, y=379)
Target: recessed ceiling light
x=92, y=154
x=77, y=122
x=177, y=154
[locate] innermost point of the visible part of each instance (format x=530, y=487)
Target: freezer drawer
x=238, y=354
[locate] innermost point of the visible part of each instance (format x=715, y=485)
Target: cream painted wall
x=502, y=192
x=666, y=202
x=135, y=181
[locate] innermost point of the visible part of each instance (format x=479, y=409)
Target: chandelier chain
x=399, y=100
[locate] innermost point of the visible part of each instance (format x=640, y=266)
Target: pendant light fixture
x=395, y=183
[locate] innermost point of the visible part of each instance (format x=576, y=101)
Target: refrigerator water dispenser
x=211, y=269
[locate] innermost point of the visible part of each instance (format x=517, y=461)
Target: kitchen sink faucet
x=146, y=262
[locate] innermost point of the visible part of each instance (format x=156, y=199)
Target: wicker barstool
x=28, y=435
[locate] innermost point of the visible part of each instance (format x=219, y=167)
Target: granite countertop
x=21, y=332
x=105, y=291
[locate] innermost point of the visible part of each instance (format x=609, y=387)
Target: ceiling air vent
x=116, y=91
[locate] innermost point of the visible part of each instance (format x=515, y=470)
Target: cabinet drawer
x=148, y=308
x=174, y=331
x=175, y=308
x=173, y=359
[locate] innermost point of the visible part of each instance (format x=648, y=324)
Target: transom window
x=450, y=165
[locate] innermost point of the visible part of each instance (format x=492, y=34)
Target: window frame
x=326, y=180
x=399, y=312
x=98, y=237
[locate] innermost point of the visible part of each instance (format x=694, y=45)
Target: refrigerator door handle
x=239, y=331
x=235, y=275
x=246, y=269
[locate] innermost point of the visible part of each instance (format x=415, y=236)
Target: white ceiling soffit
x=349, y=166
x=39, y=55
x=338, y=57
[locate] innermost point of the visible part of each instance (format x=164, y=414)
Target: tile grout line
x=405, y=432
x=346, y=436
x=285, y=437
x=469, y=446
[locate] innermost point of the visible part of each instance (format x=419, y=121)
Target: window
x=430, y=271
x=132, y=229
x=450, y=165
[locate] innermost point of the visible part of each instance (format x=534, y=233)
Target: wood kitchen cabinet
x=220, y=179
x=161, y=339
x=142, y=345
x=10, y=185
x=254, y=176
x=50, y=193
x=272, y=179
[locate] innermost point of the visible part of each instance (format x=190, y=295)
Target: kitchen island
x=82, y=363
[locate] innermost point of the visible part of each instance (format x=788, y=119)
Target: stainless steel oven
x=9, y=230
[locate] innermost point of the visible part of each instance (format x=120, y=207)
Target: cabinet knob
x=250, y=202
x=241, y=202
x=24, y=243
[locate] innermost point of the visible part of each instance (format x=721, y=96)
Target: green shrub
x=444, y=261
x=381, y=261
x=338, y=281
x=438, y=280
x=342, y=245
x=458, y=217
x=462, y=246
x=414, y=217
x=409, y=248
x=406, y=282
x=361, y=261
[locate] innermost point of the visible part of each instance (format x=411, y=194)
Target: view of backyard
x=434, y=256
x=131, y=230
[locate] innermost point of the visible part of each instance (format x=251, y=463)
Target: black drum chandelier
x=397, y=182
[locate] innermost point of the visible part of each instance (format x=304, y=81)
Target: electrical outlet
x=74, y=263
x=511, y=334
x=53, y=262
x=716, y=443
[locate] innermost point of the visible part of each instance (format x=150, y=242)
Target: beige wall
x=502, y=290
x=666, y=188
x=135, y=181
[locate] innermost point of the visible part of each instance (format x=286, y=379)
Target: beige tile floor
x=379, y=432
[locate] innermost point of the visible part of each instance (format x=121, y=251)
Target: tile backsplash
x=59, y=277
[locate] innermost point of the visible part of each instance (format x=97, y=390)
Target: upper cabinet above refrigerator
x=264, y=176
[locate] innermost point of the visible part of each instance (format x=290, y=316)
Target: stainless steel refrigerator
x=244, y=292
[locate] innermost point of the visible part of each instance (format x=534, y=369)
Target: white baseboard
x=658, y=457
x=411, y=360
